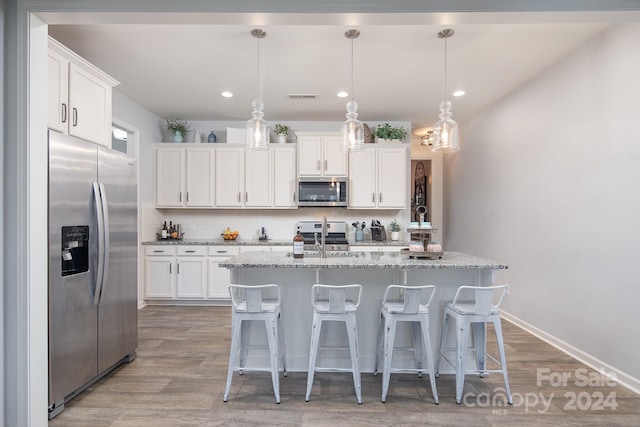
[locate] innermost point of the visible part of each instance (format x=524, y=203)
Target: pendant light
x=352, y=128
x=445, y=130
x=257, y=128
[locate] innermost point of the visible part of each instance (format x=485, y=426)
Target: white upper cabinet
x=79, y=96
x=243, y=178
x=284, y=177
x=320, y=155
x=184, y=176
x=378, y=178
x=229, y=173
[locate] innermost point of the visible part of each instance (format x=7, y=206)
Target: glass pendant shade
x=257, y=128
x=352, y=129
x=445, y=130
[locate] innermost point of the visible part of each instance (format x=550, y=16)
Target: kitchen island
x=374, y=271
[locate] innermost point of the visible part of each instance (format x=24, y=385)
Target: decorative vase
x=359, y=235
x=368, y=137
x=196, y=136
x=282, y=138
x=177, y=136
x=212, y=137
x=395, y=235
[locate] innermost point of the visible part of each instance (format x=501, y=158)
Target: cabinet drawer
x=159, y=250
x=192, y=250
x=223, y=251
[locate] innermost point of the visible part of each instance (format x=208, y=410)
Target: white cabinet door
x=310, y=162
x=90, y=106
x=284, y=177
x=362, y=179
x=199, y=177
x=169, y=177
x=159, y=277
x=378, y=178
x=58, y=96
x=191, y=277
x=219, y=277
x=335, y=159
x=258, y=181
x=392, y=178
x=229, y=176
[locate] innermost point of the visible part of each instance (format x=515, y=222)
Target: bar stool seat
x=405, y=304
x=474, y=312
x=335, y=303
x=258, y=303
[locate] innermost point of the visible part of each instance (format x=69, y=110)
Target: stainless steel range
x=335, y=238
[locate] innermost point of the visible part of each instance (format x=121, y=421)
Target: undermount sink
x=328, y=254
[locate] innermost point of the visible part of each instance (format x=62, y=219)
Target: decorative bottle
x=212, y=137
x=298, y=245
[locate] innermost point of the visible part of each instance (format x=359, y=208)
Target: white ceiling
x=180, y=69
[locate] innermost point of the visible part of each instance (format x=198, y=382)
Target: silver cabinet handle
x=180, y=196
x=64, y=112
x=75, y=116
x=158, y=251
x=318, y=165
x=178, y=268
x=294, y=196
x=239, y=200
x=373, y=197
x=246, y=196
x=380, y=198
x=170, y=268
x=221, y=252
x=190, y=251
x=187, y=196
x=325, y=165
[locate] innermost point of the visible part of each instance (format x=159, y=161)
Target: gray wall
x=547, y=181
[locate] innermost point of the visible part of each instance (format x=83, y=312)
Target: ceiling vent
x=302, y=96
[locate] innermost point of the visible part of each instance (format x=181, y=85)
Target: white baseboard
x=596, y=364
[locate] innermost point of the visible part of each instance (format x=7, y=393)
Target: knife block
x=378, y=234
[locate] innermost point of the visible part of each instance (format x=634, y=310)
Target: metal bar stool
x=335, y=303
x=260, y=303
x=472, y=307
x=405, y=304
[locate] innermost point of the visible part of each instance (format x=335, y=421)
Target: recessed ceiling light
x=342, y=94
x=459, y=93
x=227, y=94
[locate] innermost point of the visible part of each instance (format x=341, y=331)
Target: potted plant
x=395, y=230
x=387, y=133
x=177, y=128
x=282, y=131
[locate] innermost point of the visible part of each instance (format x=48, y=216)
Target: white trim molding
x=596, y=364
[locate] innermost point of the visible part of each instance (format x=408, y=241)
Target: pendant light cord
x=258, y=70
x=444, y=95
x=352, y=69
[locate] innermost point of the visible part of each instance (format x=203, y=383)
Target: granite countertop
x=261, y=243
x=389, y=259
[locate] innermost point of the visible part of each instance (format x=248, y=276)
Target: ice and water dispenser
x=75, y=249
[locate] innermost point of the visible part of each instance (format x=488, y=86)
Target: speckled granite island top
x=389, y=260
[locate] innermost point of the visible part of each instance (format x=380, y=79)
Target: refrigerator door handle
x=105, y=240
x=100, y=221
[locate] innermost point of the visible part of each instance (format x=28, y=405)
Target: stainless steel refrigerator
x=93, y=262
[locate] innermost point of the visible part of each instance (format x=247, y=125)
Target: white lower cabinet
x=219, y=277
x=191, y=272
x=159, y=268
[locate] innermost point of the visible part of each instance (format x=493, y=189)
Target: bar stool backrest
x=483, y=297
x=413, y=299
x=255, y=299
x=335, y=299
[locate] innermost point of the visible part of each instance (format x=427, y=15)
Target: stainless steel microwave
x=322, y=191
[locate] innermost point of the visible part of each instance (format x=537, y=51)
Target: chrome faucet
x=321, y=247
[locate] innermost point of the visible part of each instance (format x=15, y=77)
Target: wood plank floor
x=179, y=377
